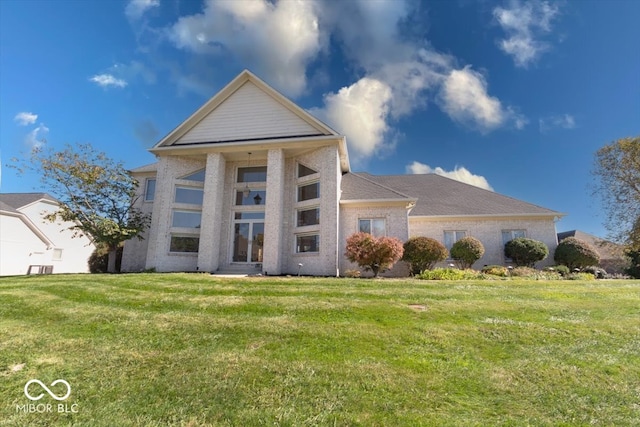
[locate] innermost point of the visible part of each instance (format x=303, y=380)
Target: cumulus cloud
x=465, y=99
x=525, y=23
x=359, y=111
x=459, y=173
x=25, y=118
x=36, y=137
x=108, y=80
x=136, y=8
x=277, y=40
x=561, y=121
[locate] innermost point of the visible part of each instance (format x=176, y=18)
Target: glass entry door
x=248, y=241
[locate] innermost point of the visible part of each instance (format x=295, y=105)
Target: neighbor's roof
x=19, y=200
x=605, y=248
x=440, y=196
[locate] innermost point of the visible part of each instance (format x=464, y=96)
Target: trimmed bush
x=576, y=253
x=373, y=253
x=525, y=252
x=598, y=273
x=496, y=270
x=466, y=251
x=450, y=274
x=422, y=253
x=563, y=270
x=581, y=276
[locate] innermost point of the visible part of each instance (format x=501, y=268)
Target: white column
x=211, y=224
x=273, y=223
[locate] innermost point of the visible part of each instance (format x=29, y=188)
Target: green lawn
x=192, y=350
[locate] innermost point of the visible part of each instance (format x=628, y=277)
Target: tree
x=95, y=193
x=617, y=172
x=466, y=251
x=422, y=253
x=373, y=253
x=525, y=252
x=575, y=253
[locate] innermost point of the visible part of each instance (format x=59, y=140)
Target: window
x=252, y=174
x=309, y=191
x=305, y=171
x=307, y=243
x=56, y=255
x=373, y=226
x=184, y=243
x=249, y=215
x=196, y=176
x=192, y=196
x=450, y=237
x=150, y=190
x=308, y=217
x=186, y=219
x=255, y=197
x=508, y=235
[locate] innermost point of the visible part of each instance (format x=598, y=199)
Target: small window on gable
x=57, y=254
x=196, y=176
x=304, y=171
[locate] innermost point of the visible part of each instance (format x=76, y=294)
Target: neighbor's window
x=450, y=237
x=56, y=255
x=192, y=196
x=373, y=226
x=308, y=217
x=184, y=243
x=186, y=219
x=308, y=243
x=309, y=191
x=196, y=176
x=150, y=190
x=508, y=235
x=252, y=174
x=305, y=171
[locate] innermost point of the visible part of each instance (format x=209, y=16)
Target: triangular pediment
x=246, y=109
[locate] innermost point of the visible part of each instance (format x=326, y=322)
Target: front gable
x=247, y=109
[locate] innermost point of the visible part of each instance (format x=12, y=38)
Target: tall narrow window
x=150, y=190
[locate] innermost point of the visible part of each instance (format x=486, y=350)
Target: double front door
x=248, y=241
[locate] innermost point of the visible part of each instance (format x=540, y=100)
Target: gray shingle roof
x=440, y=196
x=18, y=200
x=151, y=167
x=360, y=187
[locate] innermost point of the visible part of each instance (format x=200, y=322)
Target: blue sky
x=515, y=96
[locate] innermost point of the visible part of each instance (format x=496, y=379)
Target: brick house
x=251, y=182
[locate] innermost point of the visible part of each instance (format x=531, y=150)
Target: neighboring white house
x=29, y=244
x=253, y=183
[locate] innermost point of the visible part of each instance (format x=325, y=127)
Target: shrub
x=563, y=270
x=598, y=273
x=576, y=253
x=581, y=276
x=496, y=270
x=422, y=253
x=525, y=252
x=466, y=251
x=523, y=272
x=449, y=274
x=373, y=253
x=99, y=259
x=352, y=274
x=634, y=268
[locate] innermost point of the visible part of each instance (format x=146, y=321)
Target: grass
x=192, y=350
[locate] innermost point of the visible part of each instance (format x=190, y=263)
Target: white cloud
x=106, y=80
x=359, y=111
x=136, y=8
x=459, y=173
x=36, y=137
x=277, y=40
x=465, y=99
x=25, y=118
x=524, y=24
x=561, y=121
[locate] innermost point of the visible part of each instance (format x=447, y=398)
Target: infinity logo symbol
x=38, y=397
